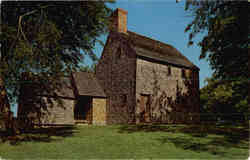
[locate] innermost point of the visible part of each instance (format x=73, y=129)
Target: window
x=124, y=98
x=189, y=74
x=119, y=52
x=183, y=73
x=169, y=70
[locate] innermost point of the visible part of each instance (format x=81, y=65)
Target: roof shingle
x=153, y=49
x=87, y=84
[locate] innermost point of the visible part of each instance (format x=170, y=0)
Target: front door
x=145, y=108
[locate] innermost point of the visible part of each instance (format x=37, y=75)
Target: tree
x=226, y=43
x=223, y=100
x=225, y=46
x=48, y=39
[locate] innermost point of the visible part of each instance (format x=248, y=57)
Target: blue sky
x=164, y=21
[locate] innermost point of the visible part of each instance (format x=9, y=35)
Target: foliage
x=47, y=38
x=41, y=41
x=225, y=46
x=224, y=100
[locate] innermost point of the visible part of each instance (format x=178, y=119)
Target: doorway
x=83, y=110
x=145, y=113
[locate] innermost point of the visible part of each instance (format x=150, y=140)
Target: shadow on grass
x=42, y=134
x=198, y=138
x=148, y=128
x=188, y=143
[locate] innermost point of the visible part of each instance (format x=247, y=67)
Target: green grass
x=130, y=142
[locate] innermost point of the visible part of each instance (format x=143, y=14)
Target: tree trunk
x=5, y=113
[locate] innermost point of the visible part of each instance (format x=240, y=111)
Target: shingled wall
x=59, y=114
x=163, y=89
x=116, y=73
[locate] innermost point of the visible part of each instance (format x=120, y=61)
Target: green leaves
x=227, y=36
x=225, y=97
x=226, y=48
x=48, y=39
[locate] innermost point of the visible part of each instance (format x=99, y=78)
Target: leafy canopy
x=49, y=39
x=224, y=99
x=225, y=46
x=226, y=43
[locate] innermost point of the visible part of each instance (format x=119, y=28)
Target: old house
x=146, y=80
x=140, y=80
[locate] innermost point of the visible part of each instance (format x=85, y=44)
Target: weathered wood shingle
x=156, y=50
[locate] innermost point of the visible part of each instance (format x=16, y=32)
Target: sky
x=163, y=20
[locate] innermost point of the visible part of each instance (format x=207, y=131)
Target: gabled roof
x=66, y=88
x=156, y=50
x=83, y=84
x=80, y=83
x=87, y=84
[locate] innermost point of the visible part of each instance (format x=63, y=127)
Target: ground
x=137, y=142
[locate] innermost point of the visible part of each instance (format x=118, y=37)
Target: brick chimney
x=119, y=20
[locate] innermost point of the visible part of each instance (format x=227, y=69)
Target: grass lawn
x=131, y=142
